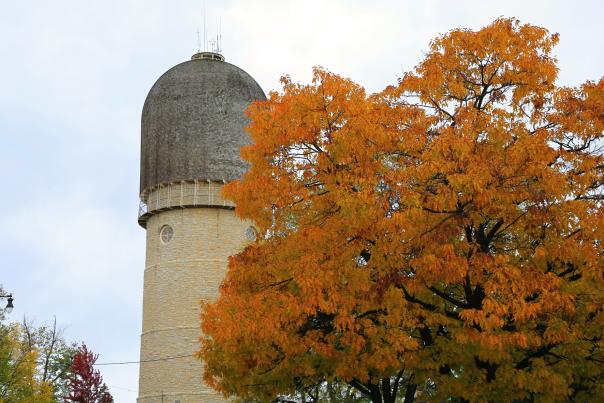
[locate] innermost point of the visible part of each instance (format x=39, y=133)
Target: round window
x=250, y=233
x=166, y=233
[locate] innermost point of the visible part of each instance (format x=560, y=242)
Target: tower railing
x=181, y=194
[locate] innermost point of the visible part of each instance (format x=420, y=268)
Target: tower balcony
x=179, y=195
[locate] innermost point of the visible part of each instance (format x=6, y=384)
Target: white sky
x=73, y=78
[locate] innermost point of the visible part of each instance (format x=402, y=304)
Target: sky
x=73, y=79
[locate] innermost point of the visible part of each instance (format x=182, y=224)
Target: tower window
x=165, y=233
x=250, y=234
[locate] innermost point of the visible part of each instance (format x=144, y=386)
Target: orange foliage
x=447, y=231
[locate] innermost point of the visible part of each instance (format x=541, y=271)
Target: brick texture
x=178, y=274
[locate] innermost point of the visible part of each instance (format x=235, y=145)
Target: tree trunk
x=410, y=393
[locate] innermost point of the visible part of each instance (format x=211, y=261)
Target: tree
x=55, y=355
x=441, y=239
x=37, y=356
x=18, y=381
x=85, y=383
x=321, y=392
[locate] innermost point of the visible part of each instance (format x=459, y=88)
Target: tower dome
x=193, y=120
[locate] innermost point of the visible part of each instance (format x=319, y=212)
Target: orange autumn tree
x=439, y=240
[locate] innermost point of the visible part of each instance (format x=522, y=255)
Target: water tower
x=192, y=130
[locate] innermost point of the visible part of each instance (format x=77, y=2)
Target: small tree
x=18, y=380
x=55, y=355
x=35, y=361
x=85, y=383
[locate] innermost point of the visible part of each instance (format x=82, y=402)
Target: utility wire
x=125, y=362
x=122, y=388
x=152, y=360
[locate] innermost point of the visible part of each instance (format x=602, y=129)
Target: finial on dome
x=208, y=56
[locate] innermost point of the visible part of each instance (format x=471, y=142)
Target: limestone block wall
x=181, y=270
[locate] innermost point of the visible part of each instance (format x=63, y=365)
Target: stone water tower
x=192, y=130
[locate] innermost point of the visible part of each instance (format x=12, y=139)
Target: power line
x=122, y=388
x=125, y=362
x=142, y=361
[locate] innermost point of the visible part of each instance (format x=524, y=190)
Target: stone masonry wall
x=178, y=274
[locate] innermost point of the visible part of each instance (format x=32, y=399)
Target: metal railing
x=182, y=194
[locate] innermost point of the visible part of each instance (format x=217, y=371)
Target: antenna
x=198, y=42
x=205, y=35
x=219, y=36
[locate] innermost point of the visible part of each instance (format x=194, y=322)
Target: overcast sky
x=73, y=79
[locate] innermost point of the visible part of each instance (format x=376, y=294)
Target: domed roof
x=193, y=122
